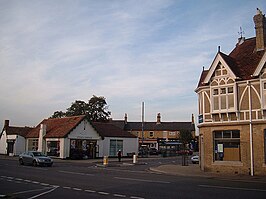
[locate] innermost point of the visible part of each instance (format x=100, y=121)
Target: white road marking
x=142, y=180
x=44, y=184
x=77, y=189
x=135, y=197
x=28, y=191
x=76, y=173
x=119, y=195
x=232, y=188
x=67, y=187
x=43, y=193
x=103, y=193
x=90, y=191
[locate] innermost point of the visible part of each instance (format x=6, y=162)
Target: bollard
x=105, y=160
x=135, y=159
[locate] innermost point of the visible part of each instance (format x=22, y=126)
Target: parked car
x=35, y=158
x=153, y=151
x=195, y=159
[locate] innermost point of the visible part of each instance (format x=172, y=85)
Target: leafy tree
x=77, y=108
x=98, y=109
x=58, y=114
x=95, y=110
x=185, y=138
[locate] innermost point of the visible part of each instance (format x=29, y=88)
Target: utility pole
x=142, y=127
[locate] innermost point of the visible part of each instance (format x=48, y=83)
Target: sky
x=54, y=52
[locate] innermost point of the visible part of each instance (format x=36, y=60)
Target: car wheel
x=34, y=163
x=21, y=162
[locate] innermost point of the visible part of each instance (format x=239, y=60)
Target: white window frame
x=220, y=95
x=263, y=94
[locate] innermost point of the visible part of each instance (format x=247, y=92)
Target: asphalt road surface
x=78, y=180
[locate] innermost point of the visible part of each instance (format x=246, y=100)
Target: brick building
x=232, y=107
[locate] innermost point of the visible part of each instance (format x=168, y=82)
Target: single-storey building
x=77, y=137
x=12, y=139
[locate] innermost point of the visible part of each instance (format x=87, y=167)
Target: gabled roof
x=153, y=126
x=106, y=129
x=220, y=58
x=61, y=127
x=244, y=61
x=57, y=127
x=13, y=130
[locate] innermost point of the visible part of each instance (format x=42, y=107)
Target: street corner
x=171, y=169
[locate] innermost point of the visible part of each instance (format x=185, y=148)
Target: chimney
x=260, y=27
x=6, y=124
x=158, y=118
x=125, y=118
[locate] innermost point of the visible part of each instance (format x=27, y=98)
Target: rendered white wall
x=3, y=144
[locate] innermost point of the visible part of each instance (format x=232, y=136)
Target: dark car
x=35, y=158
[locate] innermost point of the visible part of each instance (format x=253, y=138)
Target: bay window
x=223, y=98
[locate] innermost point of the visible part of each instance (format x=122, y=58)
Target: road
x=78, y=180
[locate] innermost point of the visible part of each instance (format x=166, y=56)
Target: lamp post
x=142, y=127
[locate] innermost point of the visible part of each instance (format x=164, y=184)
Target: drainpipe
x=250, y=130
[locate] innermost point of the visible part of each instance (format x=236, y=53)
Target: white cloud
x=132, y=51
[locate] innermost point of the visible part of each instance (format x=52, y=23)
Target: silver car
x=195, y=159
x=35, y=158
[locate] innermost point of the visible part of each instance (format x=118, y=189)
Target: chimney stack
x=6, y=124
x=260, y=27
x=125, y=118
x=158, y=118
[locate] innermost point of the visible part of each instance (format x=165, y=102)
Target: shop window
x=53, y=148
x=32, y=144
x=115, y=146
x=227, y=145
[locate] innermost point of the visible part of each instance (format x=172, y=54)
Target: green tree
x=58, y=114
x=77, y=108
x=185, y=138
x=98, y=109
x=95, y=110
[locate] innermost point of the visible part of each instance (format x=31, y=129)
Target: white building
x=76, y=137
x=12, y=139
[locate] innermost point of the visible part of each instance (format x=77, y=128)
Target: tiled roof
x=61, y=127
x=243, y=60
x=153, y=126
x=22, y=131
x=106, y=129
x=57, y=127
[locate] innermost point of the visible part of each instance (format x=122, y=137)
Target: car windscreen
x=38, y=154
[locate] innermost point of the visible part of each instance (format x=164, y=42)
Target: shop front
x=83, y=149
